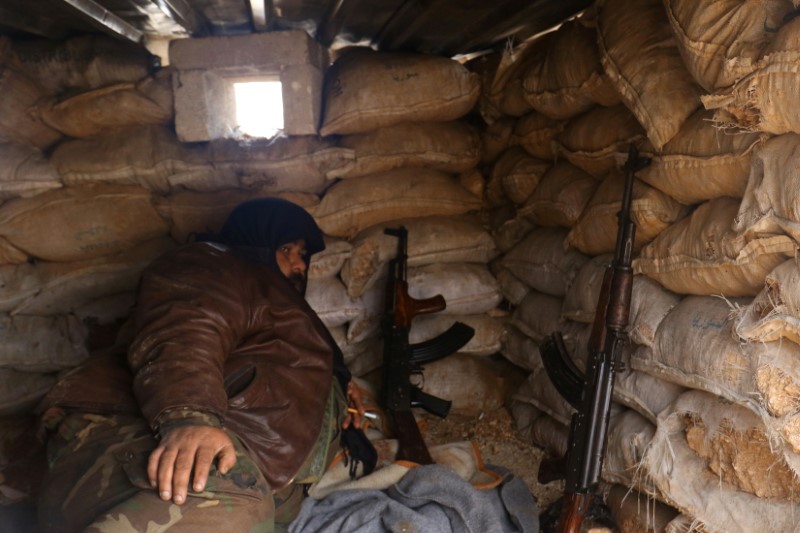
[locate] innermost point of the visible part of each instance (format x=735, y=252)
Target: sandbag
x=770, y=204
x=636, y=512
x=508, y=227
x=764, y=100
x=24, y=171
x=594, y=140
x=519, y=173
x=736, y=446
x=42, y=343
x=365, y=90
x=430, y=240
x=80, y=63
x=629, y=436
x=722, y=41
x=475, y=385
x=701, y=254
x=72, y=224
x=703, y=161
x=536, y=133
x=150, y=156
x=695, y=346
x=17, y=124
x=538, y=315
x=542, y=261
x=328, y=298
x=496, y=138
x=300, y=163
x=95, y=112
x=641, y=58
x=487, y=340
x=467, y=288
x=452, y=147
x=511, y=287
x=567, y=78
x=194, y=212
x=539, y=391
x=397, y=194
x=774, y=313
x=685, y=482
x=560, y=197
x=45, y=288
x=21, y=391
x=651, y=211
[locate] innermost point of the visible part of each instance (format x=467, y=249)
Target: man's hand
x=183, y=449
x=354, y=401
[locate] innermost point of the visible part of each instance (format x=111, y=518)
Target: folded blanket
x=427, y=499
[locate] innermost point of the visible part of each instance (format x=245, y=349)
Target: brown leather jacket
x=217, y=333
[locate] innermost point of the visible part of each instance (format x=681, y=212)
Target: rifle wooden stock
x=410, y=444
x=575, y=508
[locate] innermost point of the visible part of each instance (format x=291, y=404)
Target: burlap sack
x=95, y=112
x=521, y=349
x=57, y=288
x=542, y=261
x=685, y=481
x=636, y=512
x=539, y=391
x=560, y=197
x=487, y=340
x=774, y=313
x=328, y=298
x=21, y=391
x=701, y=254
x=193, y=212
x=629, y=436
x=536, y=133
x=467, y=288
x=365, y=90
x=640, y=57
x=24, y=171
x=504, y=95
x=736, y=446
x=652, y=212
x=695, y=346
x=474, y=384
x=519, y=173
x=299, y=163
x=430, y=240
x=42, y=343
x=72, y=224
x=594, y=140
x=452, y=147
x=353, y=205
x=496, y=138
x=538, y=315
x=770, y=204
x=764, y=100
x=149, y=156
x=567, y=78
x=580, y=302
x=511, y=287
x=509, y=228
x=80, y=63
x=17, y=124
x=702, y=161
x=722, y=41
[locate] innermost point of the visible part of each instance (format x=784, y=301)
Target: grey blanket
x=427, y=499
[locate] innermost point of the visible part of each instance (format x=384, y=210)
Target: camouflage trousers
x=97, y=482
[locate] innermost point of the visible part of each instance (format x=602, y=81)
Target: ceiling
x=444, y=27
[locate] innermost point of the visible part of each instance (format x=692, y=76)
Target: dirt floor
x=501, y=444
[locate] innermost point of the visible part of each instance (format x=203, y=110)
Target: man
x=232, y=396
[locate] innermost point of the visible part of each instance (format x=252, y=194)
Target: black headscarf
x=256, y=228
x=269, y=223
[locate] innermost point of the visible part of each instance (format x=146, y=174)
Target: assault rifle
x=401, y=360
x=590, y=394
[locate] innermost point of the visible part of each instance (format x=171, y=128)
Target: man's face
x=291, y=259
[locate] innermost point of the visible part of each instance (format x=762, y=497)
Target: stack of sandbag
x=414, y=164
x=715, y=211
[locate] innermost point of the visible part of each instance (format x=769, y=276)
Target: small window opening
x=259, y=108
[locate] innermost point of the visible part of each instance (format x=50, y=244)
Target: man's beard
x=298, y=281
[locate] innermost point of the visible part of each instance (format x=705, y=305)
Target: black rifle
x=590, y=394
x=401, y=360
